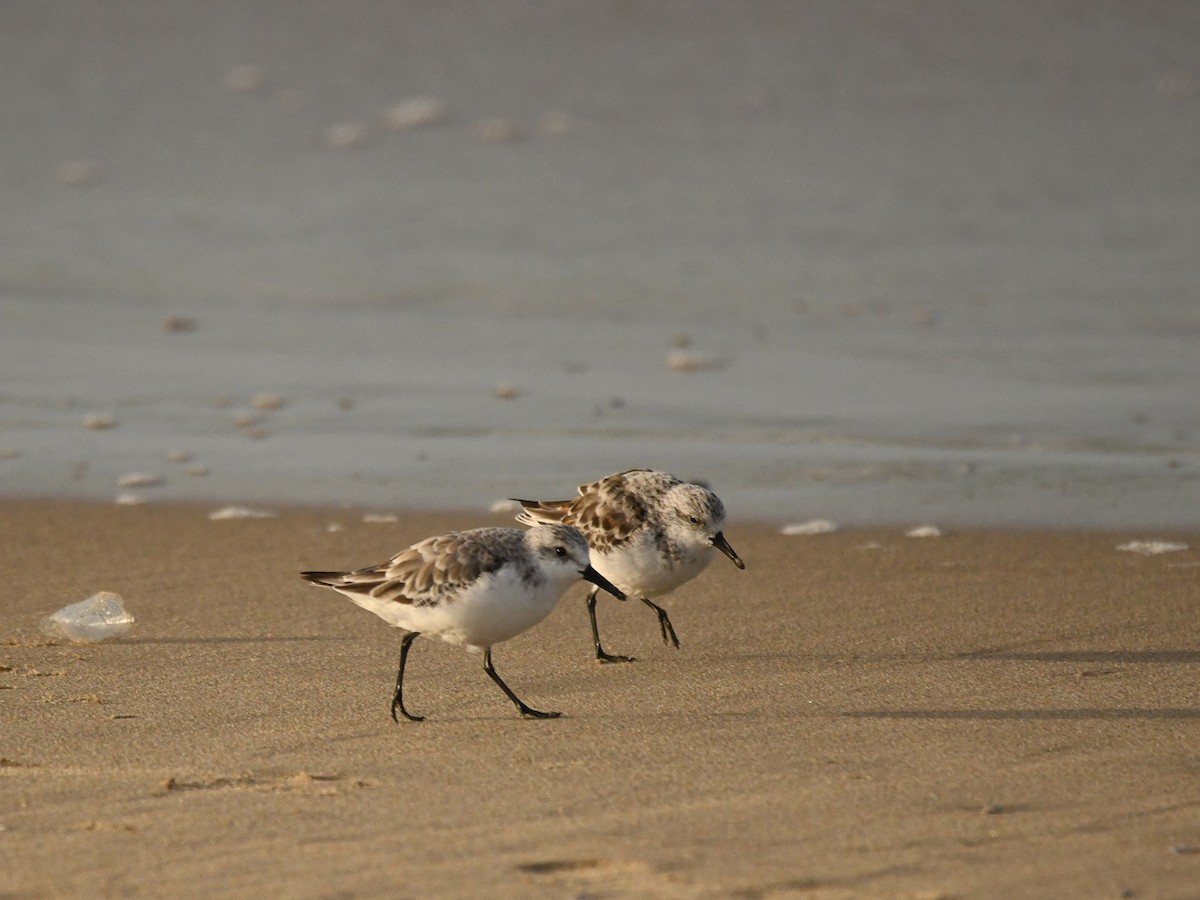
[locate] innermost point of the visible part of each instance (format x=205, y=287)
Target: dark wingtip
x=319, y=577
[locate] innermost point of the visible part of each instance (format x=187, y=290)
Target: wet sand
x=982, y=714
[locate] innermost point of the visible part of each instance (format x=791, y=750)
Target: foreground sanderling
x=649, y=533
x=477, y=588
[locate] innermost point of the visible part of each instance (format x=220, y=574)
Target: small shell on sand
x=178, y=324
x=138, y=479
x=346, y=135
x=505, y=507
x=82, y=173
x=179, y=456
x=495, y=131
x=1175, y=84
x=506, y=391
x=414, y=113
x=556, y=124
x=98, y=421
x=924, y=531
x=689, y=361
x=811, y=527
x=267, y=401
x=334, y=528
x=380, y=518
x=291, y=101
x=198, y=471
x=127, y=499
x=244, y=79
x=1151, y=548
x=240, y=512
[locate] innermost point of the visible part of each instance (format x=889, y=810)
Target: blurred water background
x=868, y=261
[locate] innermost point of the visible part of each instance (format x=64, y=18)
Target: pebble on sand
x=243, y=79
x=178, y=456
x=380, y=518
x=346, y=135
x=506, y=391
x=98, y=421
x=267, y=401
x=240, y=512
x=495, y=131
x=556, y=124
x=1175, y=84
x=924, y=531
x=79, y=174
x=811, y=527
x=291, y=101
x=689, y=361
x=178, y=324
x=138, y=479
x=414, y=113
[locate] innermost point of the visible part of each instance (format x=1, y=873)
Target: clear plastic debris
x=100, y=616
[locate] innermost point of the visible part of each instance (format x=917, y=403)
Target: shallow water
x=399, y=410
x=939, y=262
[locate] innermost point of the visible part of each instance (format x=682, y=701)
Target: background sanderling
x=649, y=533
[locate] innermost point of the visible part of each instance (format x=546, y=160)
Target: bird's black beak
x=590, y=574
x=718, y=541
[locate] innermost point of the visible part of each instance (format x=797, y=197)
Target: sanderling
x=649, y=532
x=477, y=588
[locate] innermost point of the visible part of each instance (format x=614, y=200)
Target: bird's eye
x=693, y=520
x=560, y=551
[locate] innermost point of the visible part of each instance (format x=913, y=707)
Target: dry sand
x=983, y=714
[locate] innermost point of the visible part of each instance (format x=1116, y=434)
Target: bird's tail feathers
x=542, y=512
x=328, y=579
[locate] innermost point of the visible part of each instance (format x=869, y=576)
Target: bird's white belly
x=494, y=609
x=640, y=570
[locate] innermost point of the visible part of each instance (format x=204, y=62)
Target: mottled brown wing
x=607, y=511
x=437, y=566
x=424, y=574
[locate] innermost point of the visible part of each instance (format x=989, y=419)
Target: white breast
x=641, y=569
x=495, y=608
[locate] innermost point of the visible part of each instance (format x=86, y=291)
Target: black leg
x=526, y=711
x=398, y=697
x=601, y=656
x=668, y=632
